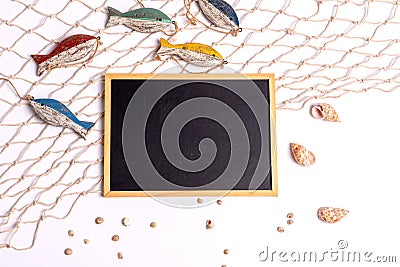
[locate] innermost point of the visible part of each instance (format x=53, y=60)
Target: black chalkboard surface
x=190, y=135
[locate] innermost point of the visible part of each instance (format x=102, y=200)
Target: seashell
x=302, y=155
x=209, y=224
x=68, y=251
x=325, y=112
x=331, y=215
x=99, y=220
x=126, y=221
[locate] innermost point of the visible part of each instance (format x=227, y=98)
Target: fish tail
x=165, y=43
x=86, y=125
x=40, y=58
x=112, y=12
x=166, y=48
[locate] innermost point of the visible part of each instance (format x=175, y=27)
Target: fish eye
x=159, y=19
x=84, y=41
x=230, y=18
x=213, y=55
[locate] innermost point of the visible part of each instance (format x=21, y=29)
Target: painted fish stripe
x=137, y=24
x=71, y=42
x=142, y=14
x=216, y=17
x=55, y=118
x=195, y=47
x=75, y=40
x=71, y=55
x=225, y=8
x=193, y=57
x=59, y=107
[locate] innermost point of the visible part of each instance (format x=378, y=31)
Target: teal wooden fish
x=147, y=20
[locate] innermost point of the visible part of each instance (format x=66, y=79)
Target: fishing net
x=317, y=49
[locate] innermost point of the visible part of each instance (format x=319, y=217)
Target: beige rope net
x=317, y=49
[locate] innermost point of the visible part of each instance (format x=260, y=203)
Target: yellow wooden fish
x=197, y=54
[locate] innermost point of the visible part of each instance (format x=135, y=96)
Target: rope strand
x=27, y=97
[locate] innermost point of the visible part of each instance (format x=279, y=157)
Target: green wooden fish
x=145, y=20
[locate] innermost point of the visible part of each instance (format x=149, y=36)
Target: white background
x=356, y=168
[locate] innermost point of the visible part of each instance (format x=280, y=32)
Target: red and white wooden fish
x=74, y=48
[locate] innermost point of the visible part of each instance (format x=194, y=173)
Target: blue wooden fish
x=56, y=113
x=221, y=14
x=145, y=20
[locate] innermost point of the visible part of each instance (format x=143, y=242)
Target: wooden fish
x=194, y=53
x=325, y=112
x=70, y=50
x=302, y=155
x=220, y=13
x=55, y=113
x=145, y=20
x=331, y=215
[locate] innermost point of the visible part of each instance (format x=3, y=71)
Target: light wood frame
x=107, y=142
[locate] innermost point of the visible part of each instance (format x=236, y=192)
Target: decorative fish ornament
x=70, y=50
x=55, y=113
x=302, y=155
x=147, y=20
x=331, y=215
x=194, y=53
x=219, y=13
x=325, y=112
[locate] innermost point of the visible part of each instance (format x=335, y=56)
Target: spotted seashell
x=331, y=215
x=302, y=155
x=325, y=112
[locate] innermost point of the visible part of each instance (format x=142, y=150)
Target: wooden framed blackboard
x=190, y=135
